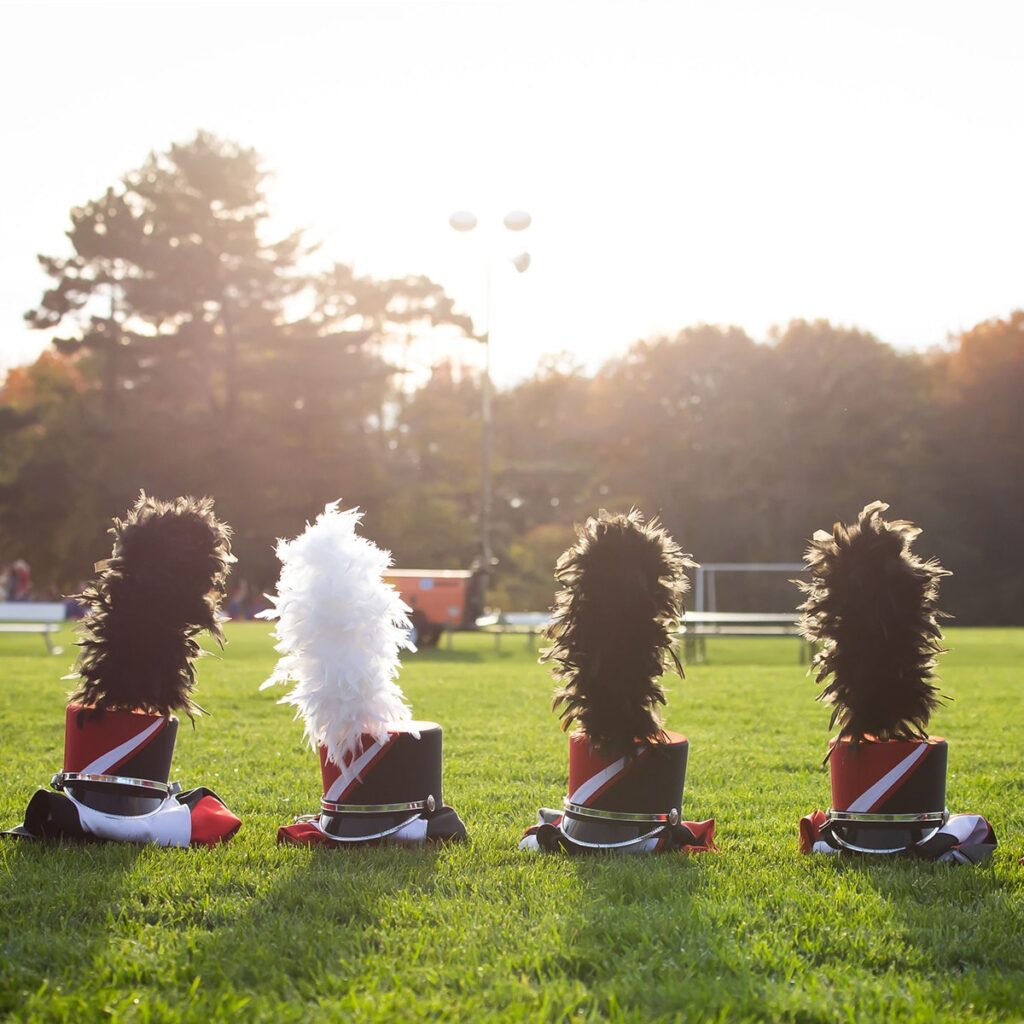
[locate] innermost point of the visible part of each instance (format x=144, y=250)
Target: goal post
x=705, y=584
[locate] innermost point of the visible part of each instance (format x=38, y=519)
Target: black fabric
x=551, y=839
x=942, y=843
x=652, y=784
x=925, y=789
x=356, y=826
x=111, y=798
x=444, y=825
x=409, y=770
x=50, y=816
x=190, y=797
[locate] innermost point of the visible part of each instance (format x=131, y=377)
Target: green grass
x=481, y=931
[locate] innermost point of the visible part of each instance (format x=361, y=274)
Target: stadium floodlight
x=517, y=220
x=462, y=220
x=465, y=221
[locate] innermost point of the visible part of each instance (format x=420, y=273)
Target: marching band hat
x=887, y=797
x=626, y=804
x=117, y=762
x=386, y=790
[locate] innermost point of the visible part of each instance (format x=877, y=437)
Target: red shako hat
x=386, y=784
x=871, y=608
x=161, y=586
x=887, y=797
x=117, y=762
x=619, y=801
x=612, y=631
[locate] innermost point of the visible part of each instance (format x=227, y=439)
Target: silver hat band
x=858, y=818
x=672, y=817
x=929, y=821
x=61, y=779
x=315, y=820
x=328, y=807
x=607, y=846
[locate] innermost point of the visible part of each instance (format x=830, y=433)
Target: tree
x=849, y=425
x=431, y=517
x=215, y=360
x=175, y=253
x=49, y=500
x=976, y=471
x=684, y=433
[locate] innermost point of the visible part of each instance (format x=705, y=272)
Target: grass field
x=481, y=931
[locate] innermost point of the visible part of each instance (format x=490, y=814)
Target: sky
x=734, y=162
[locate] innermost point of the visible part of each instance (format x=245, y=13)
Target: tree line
x=195, y=352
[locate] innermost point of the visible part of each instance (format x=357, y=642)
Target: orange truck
x=440, y=599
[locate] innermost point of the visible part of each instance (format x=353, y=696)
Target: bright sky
x=734, y=162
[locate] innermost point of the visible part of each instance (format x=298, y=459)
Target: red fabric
x=302, y=833
x=810, y=830
x=212, y=822
x=585, y=762
x=854, y=769
x=91, y=738
x=704, y=833
x=329, y=771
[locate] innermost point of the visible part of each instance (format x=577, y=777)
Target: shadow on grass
x=953, y=929
x=305, y=935
x=59, y=903
x=641, y=930
x=952, y=916
x=670, y=935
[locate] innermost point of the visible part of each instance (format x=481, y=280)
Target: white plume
x=339, y=632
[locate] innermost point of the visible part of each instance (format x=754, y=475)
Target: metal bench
x=697, y=626
x=43, y=617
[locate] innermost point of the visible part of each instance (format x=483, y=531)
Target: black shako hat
x=340, y=628
x=387, y=790
x=161, y=586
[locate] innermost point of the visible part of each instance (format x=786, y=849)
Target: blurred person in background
x=240, y=603
x=20, y=586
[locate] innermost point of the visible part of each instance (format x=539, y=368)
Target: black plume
x=871, y=605
x=161, y=587
x=612, y=627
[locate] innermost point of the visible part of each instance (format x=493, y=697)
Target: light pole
x=465, y=221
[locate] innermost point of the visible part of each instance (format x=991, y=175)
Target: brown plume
x=613, y=627
x=160, y=588
x=871, y=605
